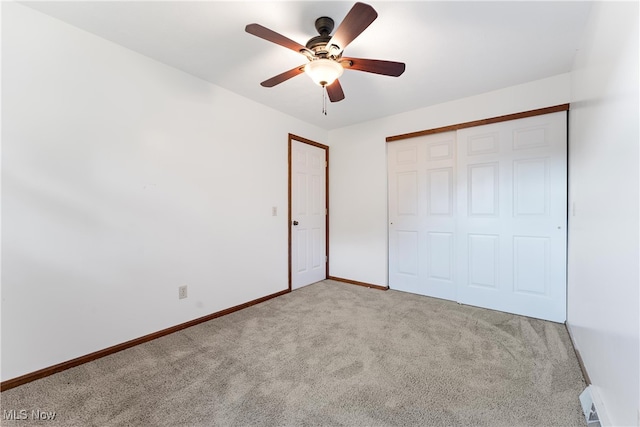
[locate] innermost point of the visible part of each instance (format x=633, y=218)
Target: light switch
x=274, y=211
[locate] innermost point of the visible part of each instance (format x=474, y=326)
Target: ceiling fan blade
x=283, y=77
x=377, y=66
x=357, y=20
x=334, y=90
x=270, y=35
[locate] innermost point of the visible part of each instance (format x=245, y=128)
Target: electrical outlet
x=182, y=292
x=274, y=211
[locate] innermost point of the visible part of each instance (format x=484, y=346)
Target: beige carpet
x=327, y=354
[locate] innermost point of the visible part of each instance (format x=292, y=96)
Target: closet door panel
x=422, y=197
x=522, y=204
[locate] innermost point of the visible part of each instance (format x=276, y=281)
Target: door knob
x=295, y=222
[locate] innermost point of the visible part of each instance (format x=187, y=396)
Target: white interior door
x=479, y=216
x=308, y=214
x=422, y=225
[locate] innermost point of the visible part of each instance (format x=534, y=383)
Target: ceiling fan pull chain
x=324, y=100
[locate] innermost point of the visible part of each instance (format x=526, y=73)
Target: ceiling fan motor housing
x=324, y=26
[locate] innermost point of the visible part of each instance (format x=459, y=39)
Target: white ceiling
x=452, y=49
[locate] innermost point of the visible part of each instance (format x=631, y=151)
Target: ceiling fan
x=324, y=52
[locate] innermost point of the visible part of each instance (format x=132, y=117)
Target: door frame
x=291, y=138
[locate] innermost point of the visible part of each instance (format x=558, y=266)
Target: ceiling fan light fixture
x=323, y=71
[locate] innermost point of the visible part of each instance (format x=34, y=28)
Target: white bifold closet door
x=479, y=216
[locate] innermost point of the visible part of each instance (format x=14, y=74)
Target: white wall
x=123, y=179
x=603, y=187
x=358, y=170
